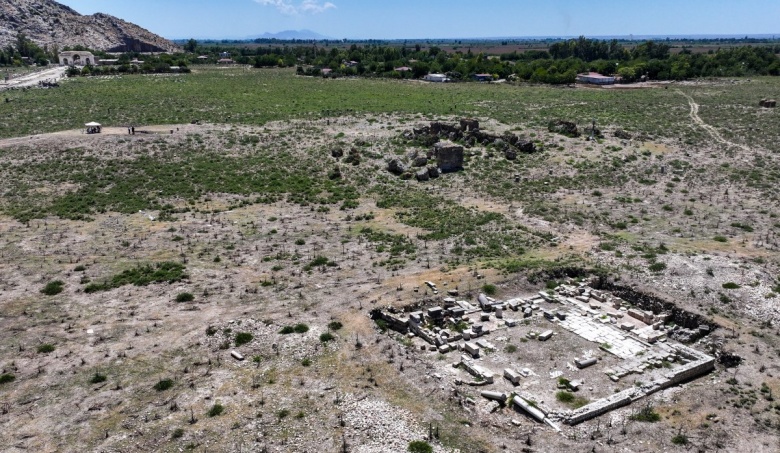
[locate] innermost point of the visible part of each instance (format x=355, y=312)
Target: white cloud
x=291, y=8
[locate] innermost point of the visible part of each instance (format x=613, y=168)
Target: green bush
x=210, y=331
x=489, y=289
x=306, y=362
x=646, y=414
x=79, y=268
x=216, y=410
x=6, y=378
x=282, y=413
x=657, y=267
x=243, y=338
x=327, y=336
x=163, y=384
x=420, y=446
x=185, y=297
x=731, y=285
x=97, y=378
x=167, y=271
x=287, y=330
x=720, y=239
x=335, y=325
x=680, y=439
x=177, y=433
x=45, y=348
x=301, y=328
x=53, y=288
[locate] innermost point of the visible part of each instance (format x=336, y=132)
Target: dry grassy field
x=134, y=265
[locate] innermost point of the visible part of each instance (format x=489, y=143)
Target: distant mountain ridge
x=48, y=23
x=292, y=34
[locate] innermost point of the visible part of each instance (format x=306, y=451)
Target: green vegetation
x=420, y=446
x=282, y=414
x=6, y=378
x=326, y=336
x=298, y=328
x=53, y=288
x=731, y=285
x=97, y=378
x=216, y=410
x=45, y=348
x=489, y=289
x=335, y=325
x=646, y=414
x=243, y=338
x=720, y=239
x=177, y=433
x=185, y=297
x=570, y=399
x=163, y=384
x=680, y=439
x=141, y=276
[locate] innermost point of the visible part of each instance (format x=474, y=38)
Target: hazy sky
x=384, y=19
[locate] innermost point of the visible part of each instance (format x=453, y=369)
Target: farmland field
x=253, y=211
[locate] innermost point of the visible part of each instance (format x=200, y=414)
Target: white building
x=437, y=78
x=77, y=58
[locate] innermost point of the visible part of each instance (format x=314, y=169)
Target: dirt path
x=50, y=75
x=710, y=129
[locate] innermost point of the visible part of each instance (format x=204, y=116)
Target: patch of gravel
x=375, y=426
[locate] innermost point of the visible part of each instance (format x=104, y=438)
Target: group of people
x=93, y=130
x=131, y=130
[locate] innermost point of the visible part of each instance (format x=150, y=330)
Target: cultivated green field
x=256, y=96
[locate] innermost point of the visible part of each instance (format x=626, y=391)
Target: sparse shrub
x=731, y=285
x=301, y=328
x=300, y=242
x=510, y=348
x=720, y=239
x=657, y=267
x=327, y=336
x=287, y=330
x=216, y=410
x=243, y=338
x=97, y=378
x=282, y=413
x=335, y=325
x=53, y=288
x=79, y=268
x=564, y=396
x=489, y=289
x=420, y=446
x=163, y=384
x=306, y=361
x=680, y=439
x=185, y=297
x=6, y=378
x=45, y=348
x=177, y=433
x=210, y=331
x=646, y=414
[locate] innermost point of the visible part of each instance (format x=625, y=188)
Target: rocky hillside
x=49, y=23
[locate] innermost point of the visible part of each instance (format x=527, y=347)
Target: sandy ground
x=28, y=80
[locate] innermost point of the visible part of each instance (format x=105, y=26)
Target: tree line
x=559, y=64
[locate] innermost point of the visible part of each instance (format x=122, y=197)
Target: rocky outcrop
x=566, y=128
x=50, y=24
x=449, y=156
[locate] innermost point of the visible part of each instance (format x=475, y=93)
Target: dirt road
x=51, y=75
x=710, y=129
